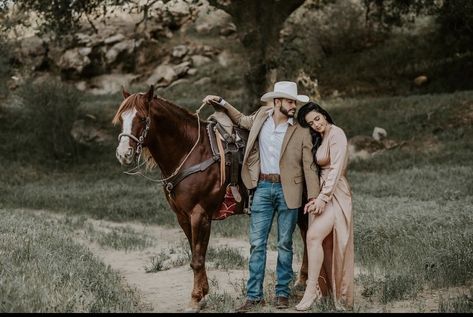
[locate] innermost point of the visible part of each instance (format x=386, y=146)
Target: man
x=277, y=160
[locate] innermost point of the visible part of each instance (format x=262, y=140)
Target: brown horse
x=175, y=139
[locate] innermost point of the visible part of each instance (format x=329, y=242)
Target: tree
x=64, y=17
x=258, y=26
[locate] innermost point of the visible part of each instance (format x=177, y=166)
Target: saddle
x=228, y=142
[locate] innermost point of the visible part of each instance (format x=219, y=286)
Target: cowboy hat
x=284, y=89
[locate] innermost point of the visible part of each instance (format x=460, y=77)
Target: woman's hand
x=315, y=206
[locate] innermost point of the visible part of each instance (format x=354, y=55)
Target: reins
x=162, y=181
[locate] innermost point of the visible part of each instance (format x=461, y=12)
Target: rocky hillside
x=188, y=50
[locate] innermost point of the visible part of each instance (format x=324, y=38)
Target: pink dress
x=332, y=157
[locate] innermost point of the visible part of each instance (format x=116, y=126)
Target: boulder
x=162, y=76
x=75, y=59
x=182, y=68
x=125, y=46
x=199, y=60
x=109, y=83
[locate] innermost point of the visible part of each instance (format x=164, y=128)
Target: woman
x=330, y=212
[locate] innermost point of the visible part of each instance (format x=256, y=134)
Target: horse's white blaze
x=124, y=147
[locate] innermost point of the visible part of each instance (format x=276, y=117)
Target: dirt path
x=169, y=290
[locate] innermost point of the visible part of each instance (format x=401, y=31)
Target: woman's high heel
x=311, y=294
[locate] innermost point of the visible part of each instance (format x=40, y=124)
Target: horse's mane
x=132, y=101
x=137, y=101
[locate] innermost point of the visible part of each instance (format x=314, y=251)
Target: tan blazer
x=296, y=162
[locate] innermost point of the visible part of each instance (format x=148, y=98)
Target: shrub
x=49, y=111
x=5, y=67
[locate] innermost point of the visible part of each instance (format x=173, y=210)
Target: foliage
x=455, y=18
x=6, y=55
x=258, y=26
x=49, y=110
x=456, y=25
x=60, y=18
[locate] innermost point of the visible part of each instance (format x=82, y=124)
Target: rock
x=179, y=51
x=203, y=28
x=179, y=82
x=74, y=59
x=210, y=18
x=379, y=134
x=125, y=46
x=114, y=38
x=203, y=81
x=162, y=76
x=192, y=71
x=199, y=60
x=110, y=83
x=420, y=80
x=182, y=68
x=178, y=8
x=225, y=58
x=227, y=30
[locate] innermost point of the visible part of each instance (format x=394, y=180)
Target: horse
x=173, y=138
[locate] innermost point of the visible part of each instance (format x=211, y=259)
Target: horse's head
x=134, y=117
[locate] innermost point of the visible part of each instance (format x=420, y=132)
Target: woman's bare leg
x=320, y=227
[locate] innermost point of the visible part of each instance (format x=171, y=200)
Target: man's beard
x=286, y=112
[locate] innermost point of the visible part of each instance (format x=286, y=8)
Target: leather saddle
x=228, y=142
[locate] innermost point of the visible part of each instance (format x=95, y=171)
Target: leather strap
x=188, y=171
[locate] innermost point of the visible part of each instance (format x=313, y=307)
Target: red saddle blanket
x=228, y=206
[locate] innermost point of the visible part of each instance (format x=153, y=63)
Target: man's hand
x=213, y=100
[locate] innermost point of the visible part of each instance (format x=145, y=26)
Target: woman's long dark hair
x=316, y=136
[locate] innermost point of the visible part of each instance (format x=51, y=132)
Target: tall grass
x=412, y=205
x=43, y=270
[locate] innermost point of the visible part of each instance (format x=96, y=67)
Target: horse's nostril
x=129, y=153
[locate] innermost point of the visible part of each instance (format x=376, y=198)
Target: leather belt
x=273, y=178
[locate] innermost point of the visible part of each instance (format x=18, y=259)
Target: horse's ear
x=150, y=93
x=125, y=93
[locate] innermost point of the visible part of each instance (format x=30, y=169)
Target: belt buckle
x=274, y=178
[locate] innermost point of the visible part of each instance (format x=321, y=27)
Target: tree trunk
x=258, y=26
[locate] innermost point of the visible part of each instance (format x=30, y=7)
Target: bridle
x=139, y=148
x=139, y=140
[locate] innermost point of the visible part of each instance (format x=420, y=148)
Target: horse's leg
x=200, y=226
x=303, y=223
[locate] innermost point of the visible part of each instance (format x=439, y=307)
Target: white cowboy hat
x=284, y=89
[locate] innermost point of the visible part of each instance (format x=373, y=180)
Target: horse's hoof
x=193, y=307
x=203, y=303
x=192, y=310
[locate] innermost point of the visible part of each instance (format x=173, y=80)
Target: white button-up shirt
x=270, y=143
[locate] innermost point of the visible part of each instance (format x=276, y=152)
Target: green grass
x=121, y=238
x=226, y=258
x=412, y=205
x=459, y=304
x=43, y=270
x=389, y=67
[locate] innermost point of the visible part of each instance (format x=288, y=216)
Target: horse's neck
x=176, y=132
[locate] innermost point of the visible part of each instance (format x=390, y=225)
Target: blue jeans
x=268, y=200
